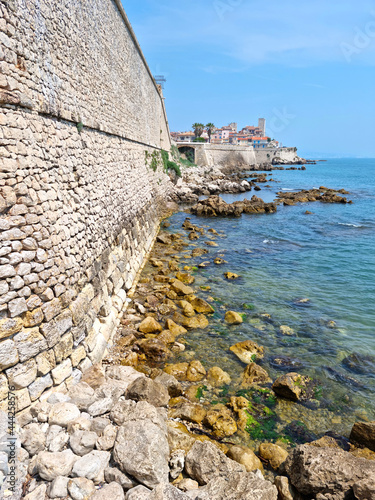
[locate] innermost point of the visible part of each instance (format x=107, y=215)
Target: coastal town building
x=250, y=135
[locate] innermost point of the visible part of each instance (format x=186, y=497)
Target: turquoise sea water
x=327, y=257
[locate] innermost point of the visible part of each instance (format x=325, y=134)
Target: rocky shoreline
x=204, y=181
x=140, y=426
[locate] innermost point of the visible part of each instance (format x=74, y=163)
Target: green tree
x=210, y=127
x=198, y=129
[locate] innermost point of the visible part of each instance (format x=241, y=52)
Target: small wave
x=350, y=225
x=287, y=189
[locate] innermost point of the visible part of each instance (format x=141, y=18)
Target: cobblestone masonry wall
x=79, y=208
x=268, y=154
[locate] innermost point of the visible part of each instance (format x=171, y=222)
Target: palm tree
x=210, y=127
x=198, y=129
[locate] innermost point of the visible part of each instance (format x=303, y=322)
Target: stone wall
x=78, y=200
x=222, y=155
x=268, y=154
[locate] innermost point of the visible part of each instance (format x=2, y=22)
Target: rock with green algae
x=233, y=318
x=293, y=386
x=247, y=351
x=254, y=374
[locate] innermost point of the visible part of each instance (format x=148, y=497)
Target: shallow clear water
x=327, y=257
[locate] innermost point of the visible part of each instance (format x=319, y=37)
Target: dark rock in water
x=341, y=377
x=342, y=441
x=294, y=386
x=363, y=364
x=215, y=206
x=364, y=433
x=299, y=433
x=328, y=473
x=285, y=363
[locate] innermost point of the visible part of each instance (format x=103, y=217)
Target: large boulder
x=364, y=433
x=141, y=447
x=145, y=389
x=240, y=486
x=51, y=465
x=205, y=461
x=327, y=471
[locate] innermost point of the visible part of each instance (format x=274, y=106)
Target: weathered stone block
x=78, y=355
x=51, y=309
x=8, y=354
x=33, y=318
x=29, y=343
x=45, y=362
x=64, y=348
x=23, y=374
x=10, y=326
x=62, y=372
x=57, y=327
x=37, y=388
x=17, y=307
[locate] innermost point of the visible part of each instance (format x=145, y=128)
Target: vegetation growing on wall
x=161, y=159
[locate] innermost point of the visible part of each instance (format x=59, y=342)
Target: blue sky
x=307, y=67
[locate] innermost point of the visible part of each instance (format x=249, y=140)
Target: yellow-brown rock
x=186, y=410
x=195, y=371
x=191, y=393
x=150, y=325
x=201, y=306
x=247, y=351
x=33, y=318
x=174, y=328
x=273, y=453
x=233, y=318
x=180, y=289
x=231, y=276
x=179, y=438
x=10, y=326
x=154, y=349
x=186, y=278
x=224, y=427
x=246, y=457
x=238, y=403
x=178, y=370
x=187, y=308
x=218, y=377
x=216, y=412
x=166, y=336
x=254, y=374
x=172, y=265
x=198, y=321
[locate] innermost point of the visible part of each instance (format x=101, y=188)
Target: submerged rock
x=364, y=433
x=363, y=364
x=233, y=318
x=292, y=386
x=218, y=377
x=254, y=374
x=247, y=351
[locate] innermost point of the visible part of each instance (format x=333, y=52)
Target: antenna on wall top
x=160, y=80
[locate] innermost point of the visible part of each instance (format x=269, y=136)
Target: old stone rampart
x=78, y=197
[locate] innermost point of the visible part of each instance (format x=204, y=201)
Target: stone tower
x=262, y=126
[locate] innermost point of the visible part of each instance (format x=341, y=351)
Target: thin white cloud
x=290, y=32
